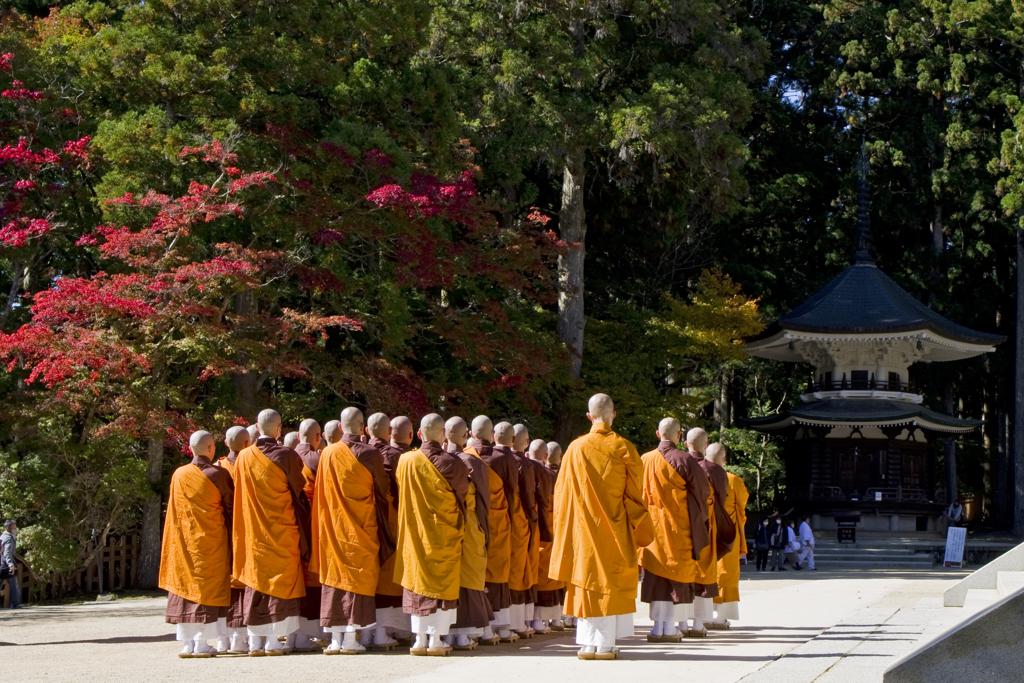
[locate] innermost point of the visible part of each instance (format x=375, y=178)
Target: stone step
x=873, y=564
x=819, y=550
x=863, y=557
x=1008, y=582
x=978, y=599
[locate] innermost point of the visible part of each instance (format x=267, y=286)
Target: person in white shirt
x=792, y=546
x=806, y=544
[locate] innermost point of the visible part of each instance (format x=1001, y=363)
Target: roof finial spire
x=863, y=234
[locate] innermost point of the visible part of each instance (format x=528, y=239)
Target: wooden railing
x=118, y=561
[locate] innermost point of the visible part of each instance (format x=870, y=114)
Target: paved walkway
x=823, y=627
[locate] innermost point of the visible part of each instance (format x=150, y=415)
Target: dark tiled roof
x=865, y=411
x=864, y=299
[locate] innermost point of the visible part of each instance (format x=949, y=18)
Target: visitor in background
x=9, y=565
x=955, y=512
x=807, y=544
x=762, y=544
x=778, y=544
x=792, y=546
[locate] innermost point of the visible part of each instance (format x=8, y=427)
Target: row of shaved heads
x=433, y=427
x=669, y=429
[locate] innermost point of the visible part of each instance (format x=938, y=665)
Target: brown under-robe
x=182, y=611
x=553, y=598
x=474, y=609
x=344, y=608
x=498, y=595
x=654, y=588
x=422, y=606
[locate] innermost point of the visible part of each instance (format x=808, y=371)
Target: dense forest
x=208, y=207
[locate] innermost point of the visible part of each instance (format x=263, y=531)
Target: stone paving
x=824, y=627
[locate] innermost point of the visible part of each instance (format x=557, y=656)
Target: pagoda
x=862, y=443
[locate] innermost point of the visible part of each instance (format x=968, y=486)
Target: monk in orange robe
x=528, y=485
x=195, y=558
x=547, y=610
x=504, y=462
x=402, y=433
x=676, y=492
x=600, y=522
x=391, y=620
x=236, y=439
x=499, y=528
x=254, y=433
x=290, y=440
x=727, y=604
x=432, y=488
x=271, y=538
x=308, y=448
x=475, y=613
x=351, y=538
x=721, y=533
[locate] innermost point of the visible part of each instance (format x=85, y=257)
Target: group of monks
x=478, y=536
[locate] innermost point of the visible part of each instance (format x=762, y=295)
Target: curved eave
x=937, y=348
x=780, y=422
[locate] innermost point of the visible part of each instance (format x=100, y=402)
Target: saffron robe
x=271, y=530
x=600, y=522
x=729, y=564
x=389, y=593
x=195, y=554
x=548, y=590
x=349, y=491
x=524, y=520
x=499, y=520
x=720, y=530
x=309, y=604
x=235, y=620
x=474, y=609
x=432, y=488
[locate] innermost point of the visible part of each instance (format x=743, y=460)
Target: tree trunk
x=572, y=226
x=245, y=382
x=1018, y=395
x=152, y=522
x=951, y=480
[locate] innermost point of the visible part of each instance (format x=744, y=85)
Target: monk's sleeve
x=292, y=467
x=372, y=460
x=544, y=487
x=697, y=491
x=633, y=497
x=478, y=475
x=528, y=490
x=742, y=496
x=226, y=486
x=725, y=530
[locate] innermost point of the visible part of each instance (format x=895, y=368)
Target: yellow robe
x=500, y=551
x=707, y=564
x=473, y=572
x=430, y=529
x=600, y=521
x=519, y=578
x=196, y=550
x=266, y=542
x=345, y=542
x=729, y=565
x=229, y=467
x=670, y=554
x=544, y=581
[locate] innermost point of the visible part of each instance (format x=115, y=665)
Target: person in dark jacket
x=8, y=563
x=778, y=542
x=762, y=543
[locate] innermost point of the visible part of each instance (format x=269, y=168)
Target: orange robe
x=720, y=530
x=195, y=554
x=520, y=575
x=345, y=540
x=499, y=523
x=600, y=522
x=268, y=543
x=386, y=584
x=729, y=564
x=545, y=497
x=673, y=487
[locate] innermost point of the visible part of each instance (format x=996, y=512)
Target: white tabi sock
x=659, y=628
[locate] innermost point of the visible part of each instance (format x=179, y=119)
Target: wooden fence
x=118, y=561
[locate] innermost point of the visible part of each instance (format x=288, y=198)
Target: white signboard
x=878, y=496
x=956, y=539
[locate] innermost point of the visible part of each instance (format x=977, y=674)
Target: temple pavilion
x=862, y=441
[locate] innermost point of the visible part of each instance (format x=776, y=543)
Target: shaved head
x=521, y=440
x=669, y=429
x=401, y=431
x=269, y=423
x=432, y=428
x=716, y=454
x=236, y=439
x=697, y=440
x=456, y=431
x=504, y=434
x=554, y=453
x=254, y=433
x=483, y=428
x=291, y=440
x=601, y=409
x=352, y=421
x=539, y=450
x=332, y=431
x=379, y=426
x=309, y=432
x=202, y=444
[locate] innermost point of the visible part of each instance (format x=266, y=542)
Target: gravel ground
x=830, y=617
